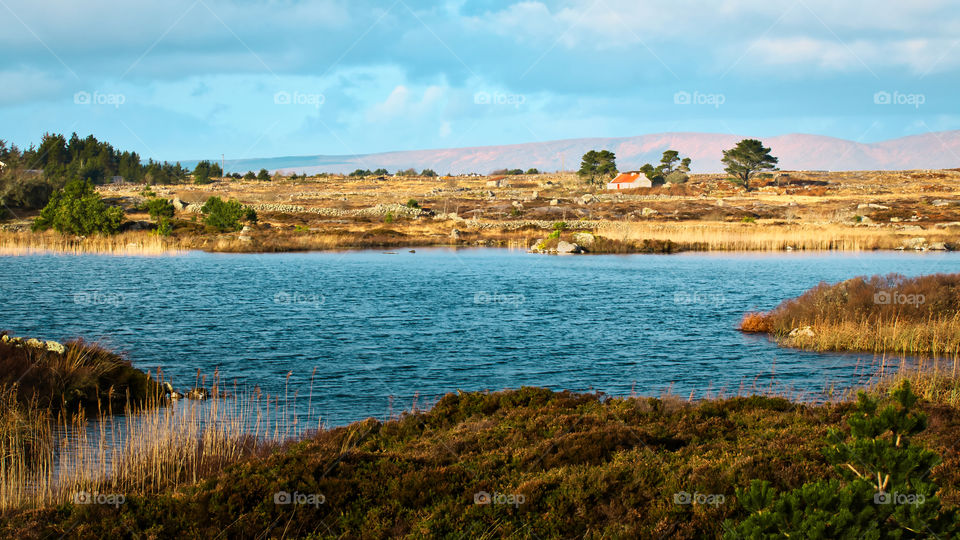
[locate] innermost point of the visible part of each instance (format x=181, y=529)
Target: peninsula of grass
x=882, y=314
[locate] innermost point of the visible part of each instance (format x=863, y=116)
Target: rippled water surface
x=368, y=325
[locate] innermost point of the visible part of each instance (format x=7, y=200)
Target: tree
x=598, y=166
x=532, y=171
x=78, y=209
x=250, y=176
x=225, y=216
x=429, y=173
x=263, y=175
x=159, y=208
x=885, y=490
x=381, y=172
x=748, y=158
x=204, y=171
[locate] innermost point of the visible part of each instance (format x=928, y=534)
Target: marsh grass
x=760, y=236
x=882, y=314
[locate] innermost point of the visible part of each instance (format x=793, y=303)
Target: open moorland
x=784, y=211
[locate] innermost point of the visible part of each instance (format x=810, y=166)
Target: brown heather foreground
x=883, y=314
x=801, y=210
x=555, y=465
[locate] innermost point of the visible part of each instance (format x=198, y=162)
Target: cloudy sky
x=190, y=79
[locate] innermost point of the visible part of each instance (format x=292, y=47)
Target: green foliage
x=250, y=176
x=746, y=159
x=360, y=173
x=31, y=193
x=429, y=173
x=381, y=172
x=263, y=175
x=677, y=177
x=225, y=216
x=748, y=219
x=532, y=171
x=558, y=229
x=412, y=203
x=164, y=227
x=598, y=166
x=388, y=218
x=78, y=209
x=159, y=208
x=885, y=490
x=668, y=170
x=206, y=170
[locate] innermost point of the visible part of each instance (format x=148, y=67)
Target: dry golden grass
x=47, y=460
x=724, y=236
x=128, y=243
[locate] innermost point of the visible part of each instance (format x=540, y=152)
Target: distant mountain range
x=938, y=150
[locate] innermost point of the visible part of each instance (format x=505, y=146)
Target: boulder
x=455, y=234
x=873, y=206
x=804, y=331
x=178, y=205
x=648, y=212
x=554, y=202
x=938, y=246
x=584, y=238
x=566, y=248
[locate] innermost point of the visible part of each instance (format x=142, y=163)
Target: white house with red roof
x=630, y=180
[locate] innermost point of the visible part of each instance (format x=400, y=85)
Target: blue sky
x=191, y=79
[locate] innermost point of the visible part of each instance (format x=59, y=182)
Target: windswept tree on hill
x=747, y=159
x=598, y=166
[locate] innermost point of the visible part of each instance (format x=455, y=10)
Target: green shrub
x=412, y=203
x=31, y=194
x=225, y=216
x=884, y=491
x=159, y=208
x=676, y=177
x=78, y=209
x=388, y=218
x=748, y=219
x=164, y=227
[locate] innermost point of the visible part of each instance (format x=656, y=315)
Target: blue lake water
x=370, y=328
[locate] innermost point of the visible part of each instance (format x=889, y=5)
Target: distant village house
x=630, y=180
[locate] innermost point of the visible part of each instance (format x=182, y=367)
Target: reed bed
x=882, y=314
x=128, y=243
x=50, y=459
x=725, y=236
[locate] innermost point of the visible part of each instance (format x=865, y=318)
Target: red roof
x=626, y=178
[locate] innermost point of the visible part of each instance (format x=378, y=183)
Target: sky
x=194, y=79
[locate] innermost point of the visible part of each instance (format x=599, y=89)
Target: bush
x=677, y=177
x=30, y=194
x=78, y=209
x=164, y=227
x=884, y=490
x=159, y=208
x=412, y=203
x=226, y=216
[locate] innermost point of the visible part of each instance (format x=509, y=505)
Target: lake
x=363, y=332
